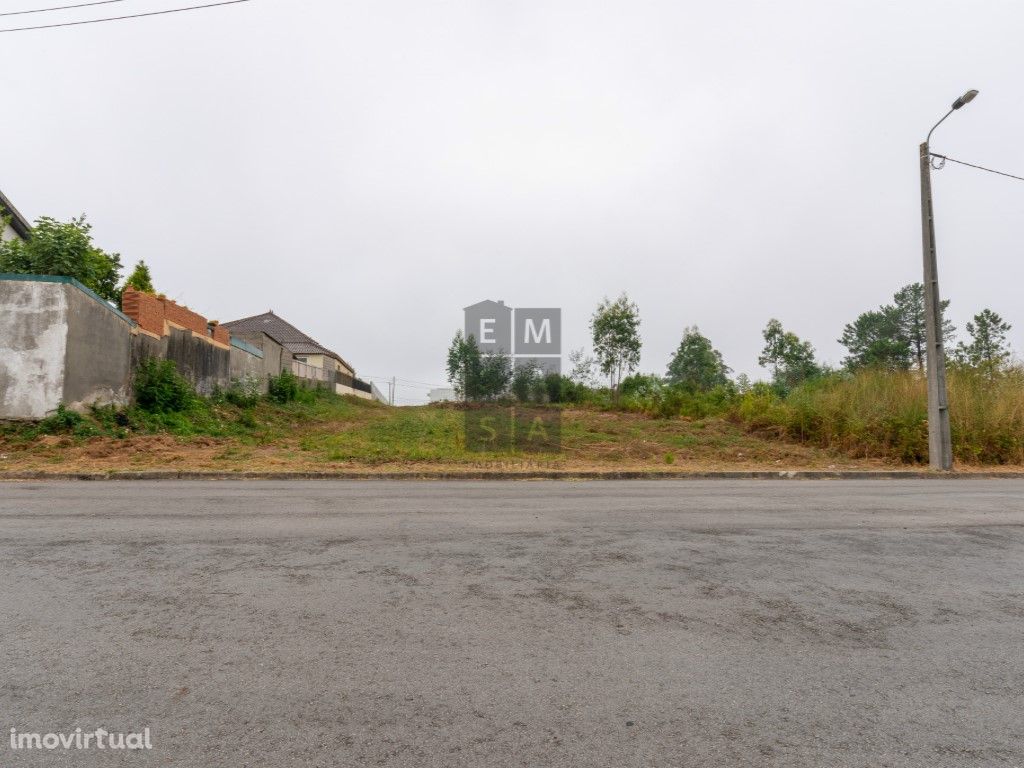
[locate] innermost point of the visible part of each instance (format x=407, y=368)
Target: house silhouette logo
x=527, y=332
x=529, y=337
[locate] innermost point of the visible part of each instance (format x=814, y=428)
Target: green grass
x=871, y=416
x=259, y=424
x=885, y=414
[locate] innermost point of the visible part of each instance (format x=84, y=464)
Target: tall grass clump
x=884, y=414
x=986, y=413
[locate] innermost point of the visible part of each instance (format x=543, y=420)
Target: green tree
x=582, y=367
x=988, y=349
x=464, y=367
x=790, y=359
x=476, y=376
x=64, y=248
x=495, y=375
x=875, y=340
x=908, y=304
x=140, y=279
x=524, y=380
x=615, y=328
x=696, y=365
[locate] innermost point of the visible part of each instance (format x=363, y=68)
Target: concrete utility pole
x=940, y=444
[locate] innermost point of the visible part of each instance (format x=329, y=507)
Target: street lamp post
x=940, y=444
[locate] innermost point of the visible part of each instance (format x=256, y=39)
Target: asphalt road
x=694, y=623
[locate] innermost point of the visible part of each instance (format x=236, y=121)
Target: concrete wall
x=315, y=375
x=245, y=366
x=275, y=357
x=97, y=359
x=259, y=368
x=60, y=343
x=207, y=366
x=342, y=389
x=33, y=343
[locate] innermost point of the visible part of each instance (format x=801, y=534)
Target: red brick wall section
x=145, y=309
x=184, y=317
x=150, y=311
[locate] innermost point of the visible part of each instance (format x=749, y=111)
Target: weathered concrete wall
x=275, y=357
x=97, y=361
x=244, y=365
x=144, y=346
x=341, y=389
x=59, y=342
x=33, y=339
x=205, y=365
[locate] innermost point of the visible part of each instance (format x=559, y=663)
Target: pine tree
x=696, y=365
x=988, y=349
x=140, y=279
x=908, y=304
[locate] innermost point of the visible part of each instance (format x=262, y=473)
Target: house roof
x=18, y=222
x=489, y=304
x=284, y=333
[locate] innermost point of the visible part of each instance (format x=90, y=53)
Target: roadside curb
x=525, y=475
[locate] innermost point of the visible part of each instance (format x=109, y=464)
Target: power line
x=409, y=382
x=60, y=7
x=979, y=167
x=129, y=16
x=423, y=383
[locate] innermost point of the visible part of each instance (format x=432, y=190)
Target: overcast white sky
x=366, y=169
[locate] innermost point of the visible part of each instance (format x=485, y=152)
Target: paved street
x=664, y=623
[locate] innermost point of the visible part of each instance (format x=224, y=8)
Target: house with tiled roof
x=310, y=359
x=304, y=348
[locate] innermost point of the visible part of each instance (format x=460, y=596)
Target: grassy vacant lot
x=871, y=420
x=330, y=433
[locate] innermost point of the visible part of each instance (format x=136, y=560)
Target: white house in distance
x=12, y=224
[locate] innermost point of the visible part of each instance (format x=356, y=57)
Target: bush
x=283, y=388
x=640, y=385
x=63, y=421
x=557, y=386
x=244, y=392
x=572, y=392
x=159, y=388
x=524, y=380
x=654, y=399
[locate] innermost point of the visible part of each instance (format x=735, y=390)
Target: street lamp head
x=967, y=98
